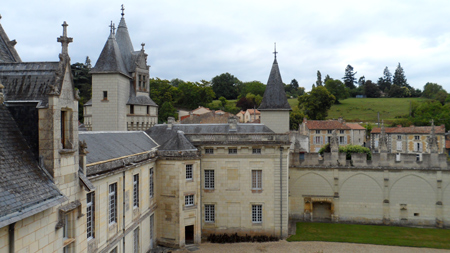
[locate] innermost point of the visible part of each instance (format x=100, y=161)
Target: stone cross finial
x=143, y=45
x=65, y=40
x=123, y=8
x=275, y=50
x=382, y=141
x=111, y=27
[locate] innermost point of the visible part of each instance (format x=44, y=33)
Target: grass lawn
x=366, y=109
x=369, y=234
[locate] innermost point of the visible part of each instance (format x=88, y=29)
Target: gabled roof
x=7, y=51
x=25, y=188
x=253, y=111
x=110, y=59
x=30, y=81
x=274, y=97
x=139, y=100
x=355, y=126
x=103, y=146
x=326, y=125
x=410, y=130
x=201, y=108
x=177, y=143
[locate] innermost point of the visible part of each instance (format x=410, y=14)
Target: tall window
x=188, y=171
x=209, y=213
x=257, y=213
x=64, y=122
x=105, y=95
x=136, y=240
x=112, y=203
x=151, y=185
x=257, y=179
x=342, y=140
x=318, y=140
x=136, y=190
x=209, y=179
x=189, y=200
x=131, y=109
x=90, y=215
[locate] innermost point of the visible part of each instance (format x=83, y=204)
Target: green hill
x=366, y=109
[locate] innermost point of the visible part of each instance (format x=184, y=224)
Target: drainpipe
x=281, y=192
x=123, y=209
x=11, y=237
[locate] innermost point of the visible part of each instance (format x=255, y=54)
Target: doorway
x=189, y=234
x=321, y=211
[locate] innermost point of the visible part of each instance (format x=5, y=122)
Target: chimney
x=170, y=122
x=232, y=121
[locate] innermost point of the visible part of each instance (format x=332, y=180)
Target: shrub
x=349, y=149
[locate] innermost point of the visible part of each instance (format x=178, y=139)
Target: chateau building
x=120, y=87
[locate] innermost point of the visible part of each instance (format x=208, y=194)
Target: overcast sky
x=197, y=39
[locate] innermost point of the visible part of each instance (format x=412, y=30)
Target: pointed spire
x=124, y=41
x=274, y=97
x=65, y=40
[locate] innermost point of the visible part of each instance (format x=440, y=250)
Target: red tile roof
x=355, y=126
x=447, y=144
x=252, y=111
x=410, y=130
x=325, y=125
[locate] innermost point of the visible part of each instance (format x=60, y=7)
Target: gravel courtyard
x=319, y=247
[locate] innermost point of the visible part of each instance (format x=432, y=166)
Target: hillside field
x=366, y=109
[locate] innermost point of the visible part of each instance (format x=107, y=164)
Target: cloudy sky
x=199, y=39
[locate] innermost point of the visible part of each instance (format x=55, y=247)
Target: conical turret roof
x=110, y=59
x=126, y=47
x=274, y=97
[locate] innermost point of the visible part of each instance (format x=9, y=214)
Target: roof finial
x=122, y=10
x=111, y=27
x=275, y=50
x=64, y=39
x=114, y=28
x=143, y=45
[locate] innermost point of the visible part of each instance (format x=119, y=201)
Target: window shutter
x=321, y=140
x=345, y=140
x=420, y=147
x=376, y=144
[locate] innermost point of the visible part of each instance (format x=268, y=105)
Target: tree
x=176, y=82
x=224, y=85
x=327, y=77
x=161, y=90
x=294, y=84
x=319, y=79
x=295, y=118
x=430, y=90
x=191, y=95
x=165, y=111
x=399, y=77
x=362, y=81
x=396, y=92
x=441, y=96
x=254, y=87
x=223, y=101
x=316, y=103
x=424, y=112
x=337, y=88
x=349, y=78
x=371, y=90
x=82, y=80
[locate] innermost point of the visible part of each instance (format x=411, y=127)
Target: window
x=209, y=179
x=90, y=215
x=399, y=137
x=136, y=190
x=131, y=109
x=318, y=140
x=418, y=147
x=151, y=186
x=302, y=156
x=114, y=250
x=65, y=227
x=329, y=131
x=257, y=179
x=256, y=151
x=64, y=130
x=105, y=95
x=399, y=146
x=209, y=213
x=317, y=131
x=189, y=200
x=189, y=172
x=416, y=137
x=148, y=109
x=112, y=203
x=136, y=240
x=257, y=213
x=341, y=131
x=342, y=140
x=209, y=151
x=232, y=151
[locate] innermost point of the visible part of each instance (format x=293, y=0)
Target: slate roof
x=25, y=189
x=139, y=100
x=410, y=130
x=103, y=146
x=30, y=80
x=274, y=97
x=110, y=59
x=7, y=51
x=326, y=125
x=126, y=47
x=178, y=142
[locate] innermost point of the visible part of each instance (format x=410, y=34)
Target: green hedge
x=348, y=149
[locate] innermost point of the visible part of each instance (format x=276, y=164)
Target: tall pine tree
x=399, y=77
x=319, y=79
x=349, y=78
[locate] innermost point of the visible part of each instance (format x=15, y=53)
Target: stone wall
x=277, y=121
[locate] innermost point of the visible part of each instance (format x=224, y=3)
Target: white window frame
x=232, y=151
x=257, y=214
x=209, y=179
x=210, y=213
x=112, y=207
x=342, y=140
x=341, y=131
x=189, y=200
x=90, y=215
x=317, y=131
x=151, y=185
x=256, y=151
x=318, y=140
x=329, y=131
x=189, y=172
x=416, y=137
x=399, y=146
x=256, y=179
x=136, y=191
